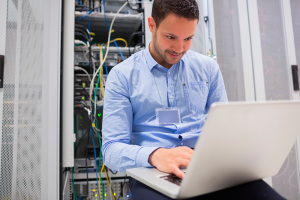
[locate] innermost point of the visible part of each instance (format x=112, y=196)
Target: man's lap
x=253, y=190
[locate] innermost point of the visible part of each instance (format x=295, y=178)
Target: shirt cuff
x=143, y=156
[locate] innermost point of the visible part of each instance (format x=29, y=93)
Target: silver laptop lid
x=241, y=142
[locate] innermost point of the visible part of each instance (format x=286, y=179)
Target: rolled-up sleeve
x=118, y=153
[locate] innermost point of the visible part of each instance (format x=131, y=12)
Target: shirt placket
x=170, y=88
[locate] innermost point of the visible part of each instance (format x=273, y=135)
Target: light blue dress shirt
x=130, y=130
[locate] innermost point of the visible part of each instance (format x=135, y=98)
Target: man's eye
x=187, y=39
x=169, y=37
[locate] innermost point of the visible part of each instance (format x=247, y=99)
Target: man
x=165, y=75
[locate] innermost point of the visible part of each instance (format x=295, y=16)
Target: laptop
x=240, y=143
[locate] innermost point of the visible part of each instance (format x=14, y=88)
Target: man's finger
x=184, y=155
x=177, y=172
x=184, y=162
x=187, y=149
x=191, y=151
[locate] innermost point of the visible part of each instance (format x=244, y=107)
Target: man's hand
x=169, y=160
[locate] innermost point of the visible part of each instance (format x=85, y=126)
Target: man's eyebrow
x=172, y=35
x=191, y=36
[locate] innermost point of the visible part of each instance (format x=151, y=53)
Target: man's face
x=173, y=38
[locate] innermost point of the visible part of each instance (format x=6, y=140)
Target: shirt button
x=181, y=143
x=171, y=96
x=169, y=72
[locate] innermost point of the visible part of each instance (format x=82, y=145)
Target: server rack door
x=30, y=123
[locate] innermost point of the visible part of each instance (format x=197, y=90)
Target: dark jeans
x=254, y=190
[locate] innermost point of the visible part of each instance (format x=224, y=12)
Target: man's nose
x=179, y=47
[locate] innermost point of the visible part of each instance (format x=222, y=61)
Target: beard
x=163, y=53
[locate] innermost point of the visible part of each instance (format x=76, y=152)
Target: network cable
x=95, y=159
x=119, y=50
x=74, y=189
x=109, y=34
x=138, y=9
x=106, y=69
x=120, y=39
x=111, y=190
x=79, y=68
x=140, y=33
x=100, y=157
x=105, y=15
x=87, y=15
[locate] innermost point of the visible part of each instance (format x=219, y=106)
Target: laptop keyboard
x=172, y=178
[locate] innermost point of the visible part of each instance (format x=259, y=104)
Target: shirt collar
x=150, y=60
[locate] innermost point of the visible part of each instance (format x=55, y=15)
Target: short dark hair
x=182, y=8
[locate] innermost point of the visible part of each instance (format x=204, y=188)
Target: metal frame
x=210, y=26
x=68, y=84
x=246, y=51
x=257, y=54
x=148, y=11
x=52, y=136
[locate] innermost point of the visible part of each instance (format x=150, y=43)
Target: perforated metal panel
x=228, y=44
x=295, y=8
x=273, y=50
x=275, y=66
x=198, y=43
x=8, y=105
x=23, y=121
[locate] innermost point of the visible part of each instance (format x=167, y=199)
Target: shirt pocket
x=195, y=94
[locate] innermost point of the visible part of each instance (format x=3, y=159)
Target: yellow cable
x=99, y=177
x=100, y=72
x=109, y=185
x=100, y=180
x=120, y=39
x=102, y=168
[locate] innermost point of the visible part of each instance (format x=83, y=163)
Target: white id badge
x=168, y=115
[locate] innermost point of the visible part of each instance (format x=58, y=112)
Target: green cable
x=100, y=144
x=75, y=195
x=100, y=156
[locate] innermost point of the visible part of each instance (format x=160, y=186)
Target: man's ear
x=151, y=24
